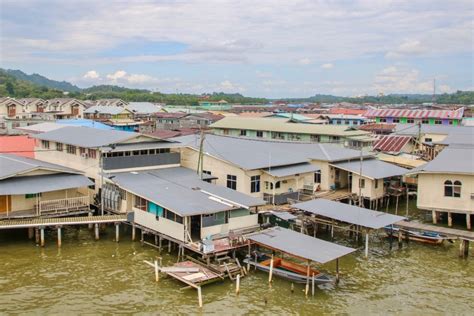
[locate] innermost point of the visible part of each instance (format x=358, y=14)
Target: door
x=75, y=111
x=196, y=227
x=11, y=110
x=5, y=203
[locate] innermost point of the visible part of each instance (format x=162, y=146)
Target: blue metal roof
x=85, y=123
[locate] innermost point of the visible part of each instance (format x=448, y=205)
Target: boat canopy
x=349, y=213
x=299, y=245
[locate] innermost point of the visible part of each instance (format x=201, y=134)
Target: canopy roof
x=286, y=171
x=348, y=213
x=300, y=245
x=42, y=183
x=372, y=168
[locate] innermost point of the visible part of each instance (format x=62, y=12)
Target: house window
x=70, y=149
x=452, y=189
x=438, y=122
x=428, y=140
x=315, y=138
x=317, y=176
x=396, y=120
x=425, y=121
x=45, y=144
x=376, y=183
x=243, y=132
x=277, y=185
x=254, y=184
x=362, y=183
x=91, y=153
x=259, y=134
x=232, y=182
x=140, y=203
x=225, y=131
x=82, y=151
x=410, y=121
x=338, y=122
x=335, y=139
x=32, y=195
x=59, y=146
x=383, y=120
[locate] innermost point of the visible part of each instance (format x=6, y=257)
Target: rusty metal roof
x=439, y=114
x=391, y=143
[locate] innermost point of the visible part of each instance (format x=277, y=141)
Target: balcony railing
x=63, y=205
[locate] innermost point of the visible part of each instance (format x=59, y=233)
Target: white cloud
x=91, y=74
x=327, y=66
x=407, y=48
x=304, y=61
x=230, y=87
x=116, y=76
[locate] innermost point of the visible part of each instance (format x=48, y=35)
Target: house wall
x=369, y=191
x=162, y=225
x=234, y=223
x=431, y=193
x=21, y=203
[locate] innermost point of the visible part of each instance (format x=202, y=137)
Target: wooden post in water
x=157, y=274
x=434, y=215
x=42, y=236
x=156, y=240
x=337, y=271
x=450, y=219
x=312, y=285
x=270, y=275
x=37, y=236
x=160, y=242
x=367, y=244
x=396, y=205
x=117, y=232
x=255, y=261
x=249, y=256
x=199, y=296
x=237, y=285
x=169, y=246
x=59, y=236
x=133, y=232
x=31, y=232
x=400, y=238
x=96, y=230
x=468, y=221
x=307, y=279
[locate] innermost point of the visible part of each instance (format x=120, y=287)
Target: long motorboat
x=426, y=237
x=288, y=270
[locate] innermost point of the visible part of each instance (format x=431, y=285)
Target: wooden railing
x=64, y=205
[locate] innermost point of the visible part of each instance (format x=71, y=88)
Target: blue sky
x=257, y=48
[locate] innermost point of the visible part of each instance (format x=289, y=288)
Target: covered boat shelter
x=301, y=246
x=347, y=217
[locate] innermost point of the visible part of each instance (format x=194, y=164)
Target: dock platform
x=450, y=232
x=61, y=221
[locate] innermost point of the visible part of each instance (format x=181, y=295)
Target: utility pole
x=360, y=177
x=101, y=182
x=200, y=165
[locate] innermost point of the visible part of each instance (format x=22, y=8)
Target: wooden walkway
x=335, y=195
x=61, y=221
x=450, y=232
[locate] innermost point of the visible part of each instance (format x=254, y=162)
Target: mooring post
x=37, y=236
x=337, y=270
x=59, y=236
x=117, y=232
x=270, y=275
x=133, y=232
x=96, y=231
x=31, y=233
x=307, y=279
x=367, y=244
x=199, y=296
x=312, y=285
x=400, y=238
x=237, y=285
x=157, y=274
x=42, y=236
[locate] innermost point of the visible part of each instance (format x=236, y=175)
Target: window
x=140, y=203
x=59, y=146
x=207, y=172
x=45, y=144
x=91, y=153
x=232, y=182
x=383, y=120
x=277, y=185
x=410, y=121
x=315, y=138
x=317, y=176
x=254, y=184
x=362, y=183
x=428, y=139
x=259, y=134
x=225, y=131
x=243, y=132
x=82, y=151
x=438, y=122
x=335, y=139
x=32, y=195
x=450, y=122
x=396, y=120
x=70, y=149
x=425, y=121
x=376, y=183
x=452, y=189
x=338, y=122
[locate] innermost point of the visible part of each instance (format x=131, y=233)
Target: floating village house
x=446, y=184
x=118, y=117
x=33, y=188
x=422, y=116
x=286, y=129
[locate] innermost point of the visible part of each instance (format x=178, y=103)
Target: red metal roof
x=347, y=111
x=420, y=114
x=18, y=145
x=378, y=127
x=391, y=143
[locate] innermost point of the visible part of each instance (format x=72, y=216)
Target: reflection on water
x=86, y=276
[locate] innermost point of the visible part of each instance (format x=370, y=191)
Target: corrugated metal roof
x=284, y=215
x=412, y=129
x=284, y=126
x=43, y=183
x=86, y=137
x=286, y=171
x=12, y=165
x=457, y=159
x=300, y=245
x=181, y=191
x=106, y=109
x=348, y=213
x=372, y=168
x=144, y=107
x=17, y=145
x=439, y=114
x=391, y=143
x=253, y=154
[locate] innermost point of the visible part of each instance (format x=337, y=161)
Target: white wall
x=165, y=226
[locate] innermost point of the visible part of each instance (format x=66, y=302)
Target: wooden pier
x=61, y=221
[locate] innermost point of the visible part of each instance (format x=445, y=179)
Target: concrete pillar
x=96, y=230
x=59, y=237
x=468, y=221
x=42, y=236
x=450, y=219
x=133, y=232
x=31, y=233
x=434, y=214
x=37, y=237
x=117, y=232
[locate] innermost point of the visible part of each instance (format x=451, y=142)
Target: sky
x=262, y=48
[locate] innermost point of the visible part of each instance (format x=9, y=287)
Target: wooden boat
x=426, y=237
x=288, y=270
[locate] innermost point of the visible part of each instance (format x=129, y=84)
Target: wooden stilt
x=400, y=239
x=37, y=236
x=169, y=246
x=156, y=240
x=42, y=236
x=270, y=275
x=249, y=256
x=450, y=219
x=96, y=229
x=142, y=238
x=434, y=215
x=396, y=205
x=312, y=285
x=367, y=244
x=160, y=243
x=461, y=248
x=31, y=232
x=307, y=279
x=237, y=285
x=256, y=261
x=337, y=270
x=466, y=248
x=59, y=237
x=117, y=232
x=157, y=273
x=468, y=221
x=133, y=232
x=199, y=296
x=292, y=288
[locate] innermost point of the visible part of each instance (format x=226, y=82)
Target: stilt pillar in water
x=249, y=256
x=237, y=285
x=270, y=275
x=169, y=246
x=37, y=236
x=59, y=237
x=156, y=240
x=199, y=296
x=468, y=221
x=117, y=232
x=307, y=279
x=157, y=274
x=31, y=232
x=133, y=232
x=399, y=239
x=312, y=285
x=337, y=270
x=42, y=236
x=367, y=244
x=160, y=242
x=434, y=215
x=450, y=219
x=96, y=231
x=463, y=248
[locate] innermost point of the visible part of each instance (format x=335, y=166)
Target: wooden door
x=75, y=111
x=11, y=111
x=5, y=203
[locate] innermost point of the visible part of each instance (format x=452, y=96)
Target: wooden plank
x=179, y=269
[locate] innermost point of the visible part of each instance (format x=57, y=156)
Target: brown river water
x=103, y=277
